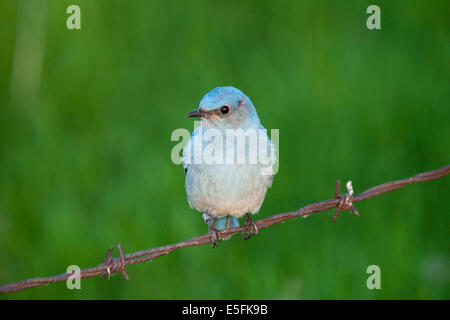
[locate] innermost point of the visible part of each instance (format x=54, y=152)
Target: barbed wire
x=346, y=201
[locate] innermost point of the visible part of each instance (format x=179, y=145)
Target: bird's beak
x=197, y=113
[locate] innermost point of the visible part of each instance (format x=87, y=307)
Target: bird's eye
x=225, y=109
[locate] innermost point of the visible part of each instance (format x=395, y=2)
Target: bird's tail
x=226, y=222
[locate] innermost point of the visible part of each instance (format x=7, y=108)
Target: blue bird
x=224, y=187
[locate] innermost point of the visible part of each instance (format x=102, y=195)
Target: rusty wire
x=112, y=265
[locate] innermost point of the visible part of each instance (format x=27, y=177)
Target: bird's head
x=226, y=107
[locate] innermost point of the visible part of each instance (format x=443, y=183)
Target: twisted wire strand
x=346, y=201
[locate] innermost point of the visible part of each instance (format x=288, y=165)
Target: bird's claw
x=251, y=228
x=213, y=233
x=214, y=236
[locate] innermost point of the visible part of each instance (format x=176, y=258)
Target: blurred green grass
x=85, y=124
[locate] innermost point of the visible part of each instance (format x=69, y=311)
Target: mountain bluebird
x=226, y=189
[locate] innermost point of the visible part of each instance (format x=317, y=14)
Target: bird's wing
x=188, y=152
x=272, y=155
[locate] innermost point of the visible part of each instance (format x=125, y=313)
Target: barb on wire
x=112, y=265
x=345, y=201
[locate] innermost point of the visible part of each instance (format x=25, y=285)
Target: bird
x=226, y=190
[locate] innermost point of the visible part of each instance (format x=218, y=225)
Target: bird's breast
x=226, y=189
x=225, y=181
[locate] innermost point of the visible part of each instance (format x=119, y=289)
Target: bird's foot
x=214, y=236
x=250, y=227
x=213, y=233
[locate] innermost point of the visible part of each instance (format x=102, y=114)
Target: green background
x=86, y=118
